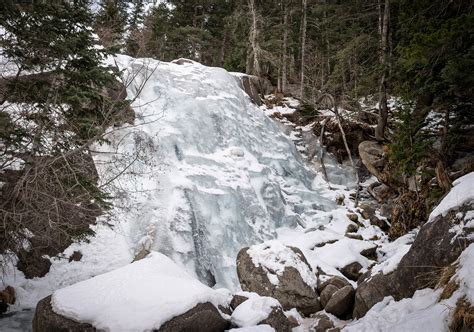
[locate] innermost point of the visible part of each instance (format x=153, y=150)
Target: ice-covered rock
x=218, y=174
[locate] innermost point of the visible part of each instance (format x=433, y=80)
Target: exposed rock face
x=237, y=300
x=341, y=302
x=278, y=321
x=291, y=291
x=203, y=317
x=46, y=320
x=337, y=297
x=372, y=155
x=7, y=297
x=255, y=87
x=436, y=246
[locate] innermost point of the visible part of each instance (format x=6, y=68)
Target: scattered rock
x=324, y=323
x=337, y=281
x=327, y=293
x=352, y=228
x=291, y=291
x=278, y=321
x=352, y=271
x=76, y=256
x=237, y=300
x=370, y=253
x=204, y=317
x=382, y=192
x=7, y=297
x=370, y=292
x=340, y=199
x=46, y=320
x=354, y=236
x=353, y=217
x=341, y=302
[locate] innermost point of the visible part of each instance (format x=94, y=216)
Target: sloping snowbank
x=138, y=297
x=462, y=192
x=253, y=311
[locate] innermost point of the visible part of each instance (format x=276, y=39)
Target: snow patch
x=253, y=311
x=462, y=192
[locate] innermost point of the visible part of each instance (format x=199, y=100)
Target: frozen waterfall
x=213, y=172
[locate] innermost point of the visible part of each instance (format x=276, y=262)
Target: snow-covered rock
x=273, y=269
x=140, y=296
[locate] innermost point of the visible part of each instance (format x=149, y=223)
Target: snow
x=253, y=311
x=273, y=256
x=393, y=252
x=462, y=192
x=140, y=296
x=465, y=274
x=407, y=315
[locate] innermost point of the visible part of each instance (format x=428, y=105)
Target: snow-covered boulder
x=152, y=293
x=449, y=230
x=275, y=270
x=261, y=311
x=337, y=297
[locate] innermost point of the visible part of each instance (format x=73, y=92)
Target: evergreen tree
x=110, y=23
x=56, y=107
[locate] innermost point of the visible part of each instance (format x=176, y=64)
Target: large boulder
x=341, y=302
x=337, y=297
x=438, y=244
x=274, y=270
x=46, y=320
x=254, y=86
x=204, y=317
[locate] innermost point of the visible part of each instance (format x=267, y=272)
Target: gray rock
x=46, y=320
x=353, y=217
x=337, y=281
x=291, y=292
x=352, y=228
x=237, y=300
x=341, y=302
x=352, y=271
x=278, y=320
x=373, y=157
x=434, y=248
x=204, y=317
x=324, y=323
x=370, y=253
x=327, y=293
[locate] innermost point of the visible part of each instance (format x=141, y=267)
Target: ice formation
x=215, y=173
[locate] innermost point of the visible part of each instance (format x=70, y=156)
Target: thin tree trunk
x=383, y=35
x=285, y=47
x=303, y=46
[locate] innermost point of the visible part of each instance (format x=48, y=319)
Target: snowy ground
x=213, y=173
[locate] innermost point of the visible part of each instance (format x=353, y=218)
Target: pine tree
x=56, y=108
x=110, y=23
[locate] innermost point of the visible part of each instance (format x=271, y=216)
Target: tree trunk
x=384, y=15
x=303, y=46
x=285, y=47
x=253, y=39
